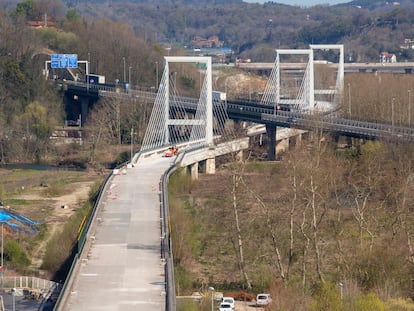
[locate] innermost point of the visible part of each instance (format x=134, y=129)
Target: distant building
x=211, y=42
x=386, y=57
x=407, y=44
x=44, y=22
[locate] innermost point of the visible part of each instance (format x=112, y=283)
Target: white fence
x=28, y=282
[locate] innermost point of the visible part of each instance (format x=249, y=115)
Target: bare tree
x=237, y=178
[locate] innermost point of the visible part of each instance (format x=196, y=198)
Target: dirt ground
x=246, y=306
x=45, y=196
x=63, y=207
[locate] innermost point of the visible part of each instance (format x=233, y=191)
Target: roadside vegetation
x=328, y=213
x=301, y=226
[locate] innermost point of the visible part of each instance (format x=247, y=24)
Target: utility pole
x=392, y=115
x=2, y=257
x=349, y=98
x=123, y=58
x=409, y=107
x=156, y=76
x=132, y=143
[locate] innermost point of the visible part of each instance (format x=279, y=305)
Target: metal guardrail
x=258, y=113
x=82, y=239
x=166, y=246
x=166, y=243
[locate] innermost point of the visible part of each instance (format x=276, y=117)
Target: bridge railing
x=83, y=238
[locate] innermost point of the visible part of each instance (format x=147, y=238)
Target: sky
x=304, y=3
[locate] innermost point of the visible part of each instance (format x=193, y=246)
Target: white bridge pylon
x=169, y=123
x=305, y=99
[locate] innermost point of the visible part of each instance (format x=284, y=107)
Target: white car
x=229, y=300
x=224, y=306
x=263, y=299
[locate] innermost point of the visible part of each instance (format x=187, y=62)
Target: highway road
x=121, y=268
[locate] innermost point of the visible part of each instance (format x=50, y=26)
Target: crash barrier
x=83, y=237
x=166, y=243
x=166, y=248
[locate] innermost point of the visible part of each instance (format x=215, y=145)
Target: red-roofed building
x=386, y=57
x=211, y=42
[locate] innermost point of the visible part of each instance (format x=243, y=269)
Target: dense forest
x=366, y=28
x=253, y=31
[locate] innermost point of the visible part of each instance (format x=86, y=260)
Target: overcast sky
x=305, y=3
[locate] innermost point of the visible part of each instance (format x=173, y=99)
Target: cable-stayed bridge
x=298, y=101
x=126, y=264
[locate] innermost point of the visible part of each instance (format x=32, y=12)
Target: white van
x=263, y=299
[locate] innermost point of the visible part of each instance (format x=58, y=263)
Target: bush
x=326, y=297
x=17, y=256
x=369, y=302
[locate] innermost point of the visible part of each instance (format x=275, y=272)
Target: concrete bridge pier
x=194, y=171
x=211, y=166
x=271, y=142
x=282, y=146
x=211, y=161
x=240, y=156
x=84, y=108
x=298, y=139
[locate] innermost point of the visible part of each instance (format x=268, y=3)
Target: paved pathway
x=123, y=270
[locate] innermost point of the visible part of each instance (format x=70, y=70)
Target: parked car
x=224, y=306
x=263, y=299
x=229, y=300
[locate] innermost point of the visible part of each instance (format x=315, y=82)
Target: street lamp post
x=392, y=115
x=13, y=292
x=129, y=75
x=409, y=107
x=132, y=143
x=341, y=288
x=123, y=58
x=156, y=75
x=2, y=256
x=211, y=289
x=349, y=99
x=89, y=63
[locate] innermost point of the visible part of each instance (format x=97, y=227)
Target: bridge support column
x=211, y=166
x=282, y=146
x=84, y=109
x=239, y=156
x=298, y=139
x=271, y=142
x=194, y=171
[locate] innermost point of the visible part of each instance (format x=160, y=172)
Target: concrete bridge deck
x=122, y=269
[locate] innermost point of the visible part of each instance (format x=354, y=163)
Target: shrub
x=14, y=253
x=326, y=297
x=369, y=302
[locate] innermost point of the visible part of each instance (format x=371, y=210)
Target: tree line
x=255, y=30
x=31, y=107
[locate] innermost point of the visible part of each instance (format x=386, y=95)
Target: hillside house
x=211, y=42
x=44, y=22
x=407, y=44
x=386, y=57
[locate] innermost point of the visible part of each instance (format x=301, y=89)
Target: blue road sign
x=64, y=60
